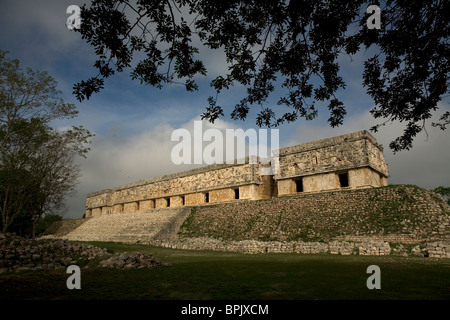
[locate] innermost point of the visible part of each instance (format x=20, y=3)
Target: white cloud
x=38, y=29
x=116, y=160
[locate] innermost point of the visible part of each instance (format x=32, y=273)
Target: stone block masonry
x=439, y=249
x=403, y=214
x=345, y=162
x=377, y=248
x=436, y=250
x=130, y=228
x=348, y=161
x=211, y=184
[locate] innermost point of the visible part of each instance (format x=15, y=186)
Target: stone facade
x=349, y=161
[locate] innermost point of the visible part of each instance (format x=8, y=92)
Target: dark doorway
x=343, y=180
x=236, y=193
x=299, y=185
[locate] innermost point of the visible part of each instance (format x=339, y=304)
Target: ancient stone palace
x=349, y=161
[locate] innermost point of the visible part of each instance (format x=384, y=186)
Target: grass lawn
x=206, y=275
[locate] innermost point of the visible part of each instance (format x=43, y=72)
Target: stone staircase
x=131, y=227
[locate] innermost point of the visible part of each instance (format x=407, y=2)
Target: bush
x=46, y=222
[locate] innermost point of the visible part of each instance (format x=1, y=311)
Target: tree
x=37, y=162
x=55, y=172
x=46, y=222
x=290, y=45
x=444, y=192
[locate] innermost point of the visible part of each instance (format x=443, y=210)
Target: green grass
x=204, y=275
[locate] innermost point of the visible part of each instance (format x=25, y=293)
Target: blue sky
x=133, y=122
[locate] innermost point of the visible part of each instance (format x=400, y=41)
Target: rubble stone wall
x=405, y=214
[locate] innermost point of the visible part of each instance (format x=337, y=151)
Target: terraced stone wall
x=404, y=214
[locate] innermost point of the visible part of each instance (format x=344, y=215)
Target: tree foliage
x=443, y=191
x=290, y=45
x=37, y=162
